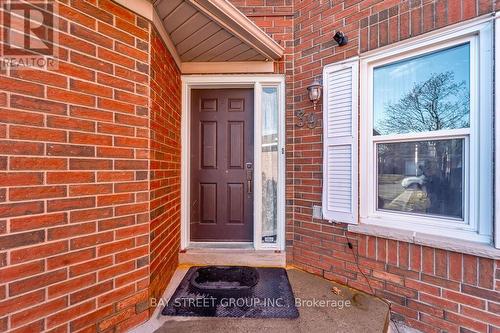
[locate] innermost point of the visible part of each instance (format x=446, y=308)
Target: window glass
x=269, y=164
x=426, y=93
x=422, y=177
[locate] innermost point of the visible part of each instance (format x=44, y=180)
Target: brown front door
x=222, y=165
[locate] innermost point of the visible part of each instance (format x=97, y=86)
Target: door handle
x=249, y=177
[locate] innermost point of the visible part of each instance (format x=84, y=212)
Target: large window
x=427, y=136
x=422, y=95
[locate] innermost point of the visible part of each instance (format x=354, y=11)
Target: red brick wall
x=75, y=186
x=431, y=289
x=165, y=166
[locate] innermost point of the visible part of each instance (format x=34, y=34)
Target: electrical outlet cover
x=317, y=212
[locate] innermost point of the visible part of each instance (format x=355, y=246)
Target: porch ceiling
x=214, y=31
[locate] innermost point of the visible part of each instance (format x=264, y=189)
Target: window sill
x=440, y=242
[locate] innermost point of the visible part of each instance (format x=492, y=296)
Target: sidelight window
x=269, y=164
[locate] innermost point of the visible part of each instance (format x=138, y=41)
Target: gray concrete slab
x=347, y=310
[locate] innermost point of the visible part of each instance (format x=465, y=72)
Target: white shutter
x=340, y=133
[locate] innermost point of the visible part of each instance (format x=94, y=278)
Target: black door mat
x=233, y=291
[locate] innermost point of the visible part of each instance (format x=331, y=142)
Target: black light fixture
x=340, y=38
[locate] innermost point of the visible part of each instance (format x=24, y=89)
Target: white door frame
x=257, y=82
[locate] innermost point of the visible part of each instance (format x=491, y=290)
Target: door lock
x=249, y=177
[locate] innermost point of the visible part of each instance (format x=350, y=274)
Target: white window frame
x=257, y=82
x=478, y=191
x=497, y=131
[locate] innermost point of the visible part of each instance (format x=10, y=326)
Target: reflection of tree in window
x=435, y=104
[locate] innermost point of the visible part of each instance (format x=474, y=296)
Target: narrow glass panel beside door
x=269, y=158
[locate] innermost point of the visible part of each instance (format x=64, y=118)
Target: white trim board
x=237, y=67
x=497, y=131
x=236, y=81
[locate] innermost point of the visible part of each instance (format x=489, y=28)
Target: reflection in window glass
x=423, y=177
x=269, y=164
x=426, y=93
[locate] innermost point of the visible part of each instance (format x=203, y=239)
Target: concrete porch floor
x=365, y=314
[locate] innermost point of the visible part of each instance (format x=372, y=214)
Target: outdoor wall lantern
x=340, y=38
x=314, y=91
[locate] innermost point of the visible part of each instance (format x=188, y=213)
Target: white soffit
x=214, y=31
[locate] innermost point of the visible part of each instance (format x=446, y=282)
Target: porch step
x=234, y=257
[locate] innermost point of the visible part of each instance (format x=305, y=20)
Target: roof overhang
x=209, y=35
x=234, y=21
